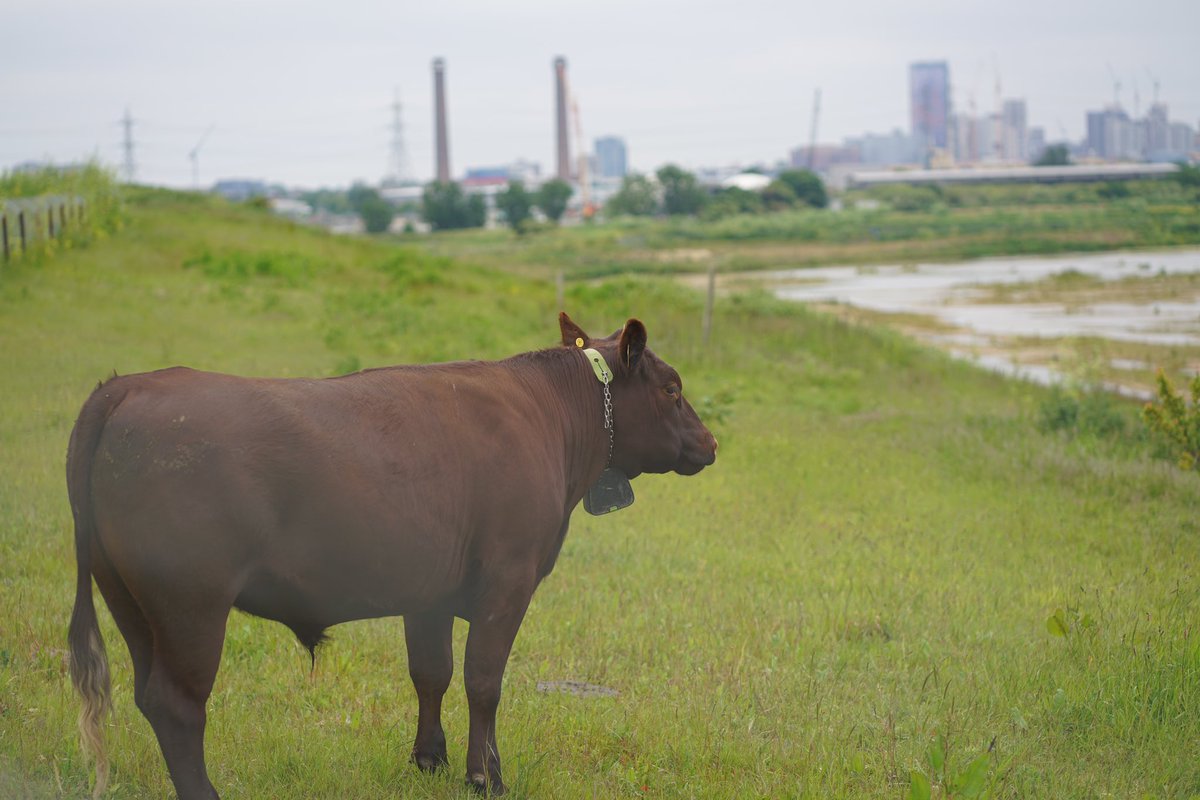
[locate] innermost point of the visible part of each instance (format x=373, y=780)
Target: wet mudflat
x=1010, y=314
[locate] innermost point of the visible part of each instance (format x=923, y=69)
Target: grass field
x=891, y=578
x=956, y=223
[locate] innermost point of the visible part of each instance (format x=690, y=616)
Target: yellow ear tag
x=599, y=365
x=579, y=342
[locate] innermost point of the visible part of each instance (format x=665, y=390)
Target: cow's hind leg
x=132, y=623
x=431, y=665
x=187, y=652
x=493, y=628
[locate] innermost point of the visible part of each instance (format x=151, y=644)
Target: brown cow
x=431, y=492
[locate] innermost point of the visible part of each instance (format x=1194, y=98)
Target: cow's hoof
x=430, y=762
x=488, y=788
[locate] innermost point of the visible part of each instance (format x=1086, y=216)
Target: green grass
x=870, y=564
x=101, y=213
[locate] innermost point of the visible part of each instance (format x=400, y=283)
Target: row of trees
x=517, y=203
x=445, y=206
x=366, y=202
x=679, y=193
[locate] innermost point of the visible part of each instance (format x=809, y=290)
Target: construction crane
x=194, y=156
x=973, y=150
x=1116, y=86
x=998, y=127
x=812, y=139
x=1154, y=81
x=587, y=210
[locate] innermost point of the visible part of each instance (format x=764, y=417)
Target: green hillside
x=891, y=569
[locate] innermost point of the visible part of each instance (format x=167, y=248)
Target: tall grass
x=93, y=185
x=871, y=565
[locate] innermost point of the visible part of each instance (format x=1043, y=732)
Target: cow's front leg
x=430, y=665
x=493, y=627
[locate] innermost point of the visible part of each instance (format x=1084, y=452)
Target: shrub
x=1086, y=412
x=1173, y=420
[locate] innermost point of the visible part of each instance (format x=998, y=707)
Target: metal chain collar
x=608, y=423
x=605, y=376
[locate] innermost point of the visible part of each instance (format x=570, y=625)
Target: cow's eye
x=672, y=391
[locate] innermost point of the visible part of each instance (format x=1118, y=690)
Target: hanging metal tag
x=611, y=492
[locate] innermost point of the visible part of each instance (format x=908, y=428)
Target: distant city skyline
x=303, y=95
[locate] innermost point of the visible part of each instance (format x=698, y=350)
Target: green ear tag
x=599, y=365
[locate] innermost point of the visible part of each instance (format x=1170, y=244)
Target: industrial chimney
x=439, y=123
x=560, y=96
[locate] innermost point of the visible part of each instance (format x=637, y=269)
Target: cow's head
x=657, y=429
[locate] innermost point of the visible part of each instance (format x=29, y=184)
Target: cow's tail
x=88, y=659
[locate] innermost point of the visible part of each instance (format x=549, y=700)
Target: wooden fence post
x=4, y=233
x=708, y=304
x=21, y=227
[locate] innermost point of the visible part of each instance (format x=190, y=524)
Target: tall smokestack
x=439, y=123
x=560, y=96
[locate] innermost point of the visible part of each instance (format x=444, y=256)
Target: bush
x=1173, y=421
x=1092, y=413
x=637, y=197
x=516, y=204
x=445, y=207
x=806, y=186
x=682, y=193
x=552, y=198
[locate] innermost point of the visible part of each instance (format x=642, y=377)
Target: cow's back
x=317, y=501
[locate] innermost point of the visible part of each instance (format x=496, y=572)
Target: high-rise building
x=929, y=103
x=1157, y=129
x=1110, y=134
x=1181, y=139
x=965, y=131
x=1035, y=143
x=1013, y=130
x=611, y=157
x=876, y=149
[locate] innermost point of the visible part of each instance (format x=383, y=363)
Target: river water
x=950, y=294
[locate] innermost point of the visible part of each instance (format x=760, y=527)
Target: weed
x=1087, y=412
x=1175, y=422
x=970, y=782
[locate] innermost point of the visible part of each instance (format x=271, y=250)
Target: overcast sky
x=300, y=93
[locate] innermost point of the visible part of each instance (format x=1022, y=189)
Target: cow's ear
x=633, y=343
x=572, y=334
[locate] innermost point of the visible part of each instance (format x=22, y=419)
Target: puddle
x=577, y=688
x=1130, y=364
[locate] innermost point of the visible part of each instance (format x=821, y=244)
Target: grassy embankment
x=870, y=565
x=903, y=225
